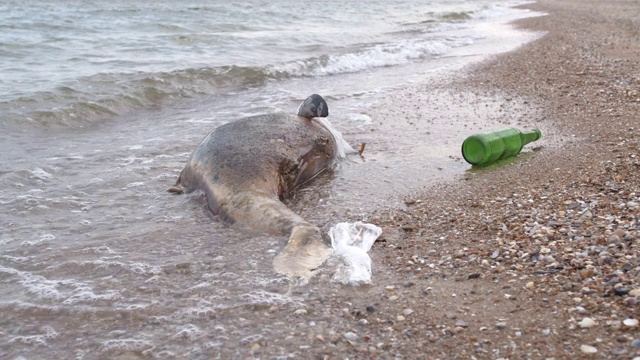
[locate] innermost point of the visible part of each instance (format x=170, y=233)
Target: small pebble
x=530, y=285
x=635, y=343
x=371, y=309
x=587, y=323
x=635, y=293
x=407, y=312
x=400, y=318
x=630, y=323
x=588, y=349
x=461, y=323
x=620, y=291
x=300, y=312
x=631, y=301
x=618, y=351
x=579, y=310
x=351, y=336
x=501, y=325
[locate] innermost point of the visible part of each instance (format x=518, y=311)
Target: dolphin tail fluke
x=305, y=251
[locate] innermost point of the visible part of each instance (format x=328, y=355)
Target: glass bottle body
x=486, y=148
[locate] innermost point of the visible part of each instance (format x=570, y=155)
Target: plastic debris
x=351, y=242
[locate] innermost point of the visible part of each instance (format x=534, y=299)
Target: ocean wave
x=455, y=16
x=94, y=98
x=435, y=18
x=371, y=57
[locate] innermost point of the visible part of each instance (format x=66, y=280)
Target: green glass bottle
x=485, y=148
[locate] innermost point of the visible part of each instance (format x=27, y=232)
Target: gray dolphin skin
x=246, y=168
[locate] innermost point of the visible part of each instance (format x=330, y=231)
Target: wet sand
x=537, y=257
x=534, y=258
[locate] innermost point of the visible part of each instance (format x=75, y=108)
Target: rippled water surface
x=101, y=104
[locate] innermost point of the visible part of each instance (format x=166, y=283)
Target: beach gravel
x=535, y=258
x=547, y=244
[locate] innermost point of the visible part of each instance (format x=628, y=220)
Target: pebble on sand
x=588, y=349
x=587, y=323
x=351, y=336
x=631, y=323
x=407, y=312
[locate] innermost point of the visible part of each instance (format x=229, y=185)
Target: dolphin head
x=313, y=106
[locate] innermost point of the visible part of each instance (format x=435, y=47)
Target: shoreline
x=540, y=243
x=536, y=258
x=492, y=263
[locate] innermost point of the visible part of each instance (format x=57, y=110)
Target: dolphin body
x=247, y=167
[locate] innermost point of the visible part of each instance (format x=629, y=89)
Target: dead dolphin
x=246, y=167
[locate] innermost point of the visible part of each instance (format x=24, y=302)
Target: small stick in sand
x=361, y=150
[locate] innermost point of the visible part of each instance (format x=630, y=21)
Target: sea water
x=101, y=104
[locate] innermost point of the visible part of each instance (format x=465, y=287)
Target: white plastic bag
x=351, y=242
x=343, y=148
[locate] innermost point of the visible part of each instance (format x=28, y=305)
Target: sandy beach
x=536, y=258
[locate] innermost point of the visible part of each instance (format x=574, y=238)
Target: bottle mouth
x=538, y=134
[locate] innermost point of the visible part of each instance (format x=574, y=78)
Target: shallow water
x=97, y=259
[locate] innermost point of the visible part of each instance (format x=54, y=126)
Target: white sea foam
x=69, y=291
x=126, y=345
x=44, y=238
x=145, y=269
x=378, y=56
x=199, y=286
x=95, y=180
x=5, y=241
x=36, y=284
x=46, y=332
x=251, y=339
x=131, y=307
x=16, y=259
x=103, y=249
x=84, y=294
x=194, y=313
x=189, y=332
x=41, y=174
x=31, y=340
x=268, y=298
x=135, y=184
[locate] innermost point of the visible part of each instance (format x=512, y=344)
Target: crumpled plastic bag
x=351, y=242
x=342, y=147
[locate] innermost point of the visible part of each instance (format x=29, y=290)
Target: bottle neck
x=530, y=136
